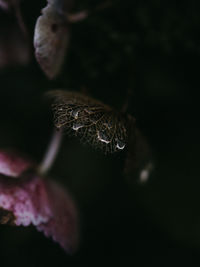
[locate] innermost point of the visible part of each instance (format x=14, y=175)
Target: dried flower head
x=93, y=121
x=51, y=39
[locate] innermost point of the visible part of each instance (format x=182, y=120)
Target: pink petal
x=13, y=165
x=43, y=204
x=63, y=226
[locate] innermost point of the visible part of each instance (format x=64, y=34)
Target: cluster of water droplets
x=93, y=125
x=118, y=144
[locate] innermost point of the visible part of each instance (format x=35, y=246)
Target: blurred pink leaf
x=6, y=4
x=51, y=40
x=14, y=46
x=40, y=202
x=13, y=165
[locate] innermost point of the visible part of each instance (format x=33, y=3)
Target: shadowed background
x=154, y=49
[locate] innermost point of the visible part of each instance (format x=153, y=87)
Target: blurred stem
x=79, y=16
x=20, y=20
x=51, y=152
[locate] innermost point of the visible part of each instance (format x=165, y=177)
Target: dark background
x=152, y=47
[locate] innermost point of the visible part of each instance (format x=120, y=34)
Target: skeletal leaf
x=91, y=120
x=139, y=161
x=51, y=39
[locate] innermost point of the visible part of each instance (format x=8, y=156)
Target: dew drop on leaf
x=77, y=126
x=75, y=113
x=103, y=127
x=120, y=144
x=102, y=137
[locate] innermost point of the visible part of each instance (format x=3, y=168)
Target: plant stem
x=81, y=15
x=20, y=20
x=51, y=152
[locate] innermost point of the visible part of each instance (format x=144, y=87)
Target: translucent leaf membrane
x=51, y=39
x=92, y=121
x=139, y=161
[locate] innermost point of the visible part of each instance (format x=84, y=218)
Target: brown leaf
x=94, y=122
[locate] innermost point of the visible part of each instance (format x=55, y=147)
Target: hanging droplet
x=77, y=126
x=102, y=137
x=75, y=113
x=120, y=144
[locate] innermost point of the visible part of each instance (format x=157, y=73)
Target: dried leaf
x=94, y=122
x=139, y=161
x=51, y=40
x=13, y=165
x=37, y=201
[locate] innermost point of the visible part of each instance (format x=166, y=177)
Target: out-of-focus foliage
x=153, y=47
x=31, y=200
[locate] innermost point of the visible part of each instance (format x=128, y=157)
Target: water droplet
x=102, y=137
x=77, y=126
x=120, y=144
x=75, y=113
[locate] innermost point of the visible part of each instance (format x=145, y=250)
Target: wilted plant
x=27, y=196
